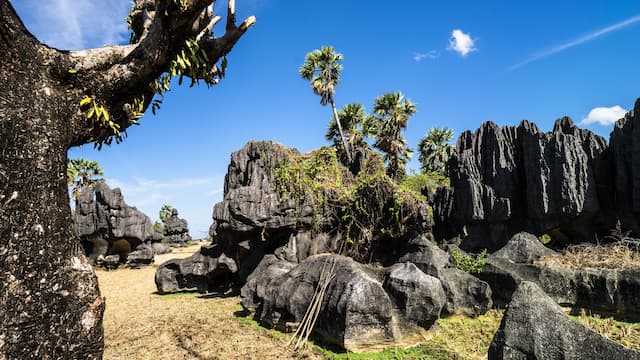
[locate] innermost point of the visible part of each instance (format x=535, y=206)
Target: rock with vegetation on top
x=176, y=230
x=363, y=306
x=535, y=327
x=106, y=225
x=277, y=200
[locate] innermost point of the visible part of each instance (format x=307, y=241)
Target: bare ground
x=140, y=324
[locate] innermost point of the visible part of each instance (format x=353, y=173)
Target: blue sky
x=462, y=62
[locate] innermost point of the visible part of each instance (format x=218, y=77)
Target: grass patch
x=469, y=338
x=616, y=255
x=627, y=334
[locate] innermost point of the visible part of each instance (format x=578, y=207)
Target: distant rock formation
x=567, y=183
x=176, y=230
x=106, y=225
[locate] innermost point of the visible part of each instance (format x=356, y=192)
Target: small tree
x=81, y=174
x=322, y=68
x=434, y=149
x=165, y=212
x=391, y=113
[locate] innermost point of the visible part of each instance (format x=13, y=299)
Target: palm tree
x=322, y=68
x=353, y=118
x=165, y=212
x=81, y=174
x=435, y=150
x=390, y=116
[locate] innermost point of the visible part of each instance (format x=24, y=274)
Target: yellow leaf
x=85, y=101
x=90, y=113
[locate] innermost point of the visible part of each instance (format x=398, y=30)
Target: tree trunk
x=50, y=305
x=344, y=142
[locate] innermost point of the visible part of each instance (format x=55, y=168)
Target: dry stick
x=307, y=314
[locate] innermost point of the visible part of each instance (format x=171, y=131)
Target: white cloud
x=428, y=55
x=193, y=197
x=461, y=43
x=579, y=41
x=77, y=24
x=604, y=116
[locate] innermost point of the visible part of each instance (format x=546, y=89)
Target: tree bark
x=50, y=304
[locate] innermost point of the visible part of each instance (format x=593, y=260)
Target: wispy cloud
x=604, y=116
x=461, y=42
x=77, y=24
x=579, y=41
x=433, y=54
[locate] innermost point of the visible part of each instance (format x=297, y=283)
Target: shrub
x=469, y=263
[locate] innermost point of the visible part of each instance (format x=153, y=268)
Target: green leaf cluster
x=470, y=263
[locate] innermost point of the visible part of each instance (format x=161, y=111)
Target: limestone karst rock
x=106, y=225
x=567, y=182
x=535, y=327
x=176, y=230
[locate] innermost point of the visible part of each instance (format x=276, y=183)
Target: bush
x=469, y=263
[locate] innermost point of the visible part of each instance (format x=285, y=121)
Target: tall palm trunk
x=344, y=141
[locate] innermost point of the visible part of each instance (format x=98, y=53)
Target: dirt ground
x=139, y=324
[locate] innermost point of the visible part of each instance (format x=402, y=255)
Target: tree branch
x=116, y=75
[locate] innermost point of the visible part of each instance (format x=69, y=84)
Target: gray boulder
x=523, y=248
x=606, y=290
x=465, y=293
x=142, y=256
x=420, y=297
x=160, y=248
x=194, y=273
x=535, y=327
x=176, y=230
x=363, y=306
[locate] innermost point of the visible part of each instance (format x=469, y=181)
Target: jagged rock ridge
x=568, y=183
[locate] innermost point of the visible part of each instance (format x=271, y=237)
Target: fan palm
x=353, y=118
x=322, y=68
x=82, y=173
x=391, y=113
x=435, y=150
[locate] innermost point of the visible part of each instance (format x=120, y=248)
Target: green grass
x=456, y=337
x=625, y=333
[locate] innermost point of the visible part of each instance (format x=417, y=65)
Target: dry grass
x=469, y=338
x=611, y=256
x=627, y=334
x=142, y=325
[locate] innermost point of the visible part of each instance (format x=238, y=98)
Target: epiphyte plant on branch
x=52, y=100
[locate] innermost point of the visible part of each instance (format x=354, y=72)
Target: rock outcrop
x=275, y=241
x=255, y=218
x=176, y=230
x=106, y=225
x=535, y=327
x=568, y=183
x=363, y=306
x=605, y=290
